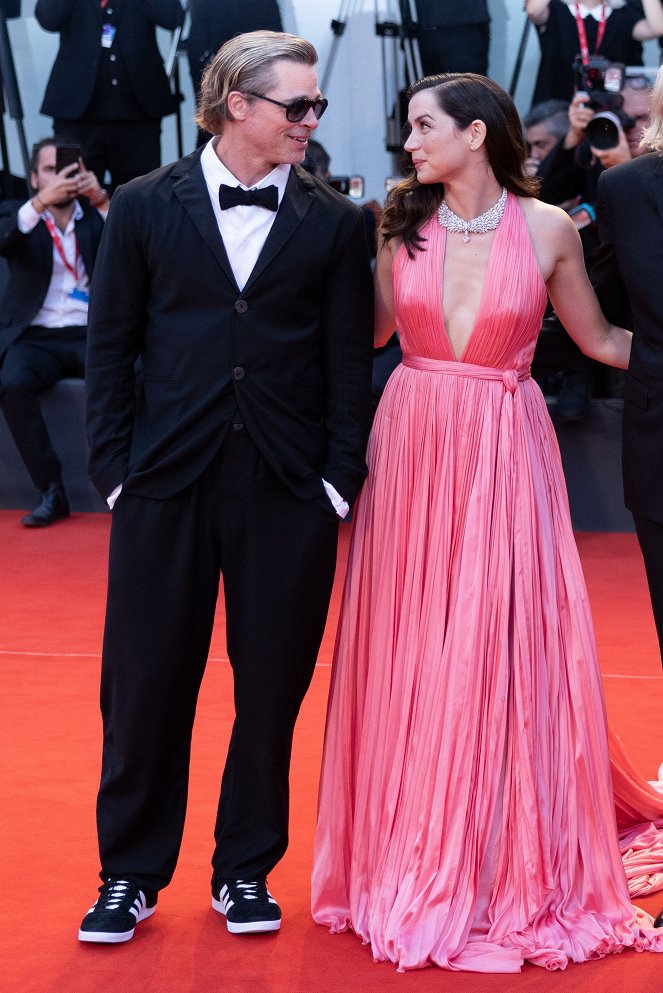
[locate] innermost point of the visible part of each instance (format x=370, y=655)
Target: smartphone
x=66, y=155
x=582, y=215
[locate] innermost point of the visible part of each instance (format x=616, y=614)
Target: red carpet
x=51, y=615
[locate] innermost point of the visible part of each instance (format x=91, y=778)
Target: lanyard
x=104, y=4
x=57, y=241
x=582, y=34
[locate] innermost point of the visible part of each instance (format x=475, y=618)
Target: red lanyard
x=57, y=241
x=582, y=34
x=104, y=4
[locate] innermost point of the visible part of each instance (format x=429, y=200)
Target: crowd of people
x=475, y=810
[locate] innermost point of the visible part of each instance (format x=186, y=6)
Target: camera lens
x=603, y=131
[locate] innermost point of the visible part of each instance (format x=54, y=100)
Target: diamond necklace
x=487, y=221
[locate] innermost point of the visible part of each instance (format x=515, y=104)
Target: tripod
x=11, y=187
x=400, y=58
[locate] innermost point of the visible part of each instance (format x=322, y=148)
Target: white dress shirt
x=59, y=309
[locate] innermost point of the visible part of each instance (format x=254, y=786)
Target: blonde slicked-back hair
x=652, y=137
x=243, y=63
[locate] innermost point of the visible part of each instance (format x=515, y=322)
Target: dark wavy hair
x=465, y=97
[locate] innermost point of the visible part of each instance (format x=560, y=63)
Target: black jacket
x=292, y=352
x=30, y=259
x=627, y=279
x=74, y=74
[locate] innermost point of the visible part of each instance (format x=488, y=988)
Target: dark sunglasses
x=296, y=110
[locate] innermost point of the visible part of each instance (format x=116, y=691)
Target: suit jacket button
x=237, y=426
x=241, y=306
x=238, y=372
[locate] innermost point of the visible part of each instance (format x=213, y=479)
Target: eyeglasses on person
x=296, y=110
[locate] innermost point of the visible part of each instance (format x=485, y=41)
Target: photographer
x=545, y=125
x=604, y=130
x=50, y=243
x=613, y=29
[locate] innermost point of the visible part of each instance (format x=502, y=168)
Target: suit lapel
x=298, y=197
x=191, y=190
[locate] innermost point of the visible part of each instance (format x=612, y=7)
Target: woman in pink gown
x=466, y=817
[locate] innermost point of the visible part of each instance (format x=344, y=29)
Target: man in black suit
x=453, y=36
x=627, y=276
x=108, y=89
x=50, y=243
x=243, y=286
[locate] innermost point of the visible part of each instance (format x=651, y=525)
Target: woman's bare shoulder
x=552, y=231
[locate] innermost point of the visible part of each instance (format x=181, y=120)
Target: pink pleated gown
x=466, y=817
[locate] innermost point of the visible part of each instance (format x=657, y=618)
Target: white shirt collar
x=216, y=173
x=594, y=12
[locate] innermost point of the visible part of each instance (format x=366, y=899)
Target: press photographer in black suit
x=50, y=244
x=108, y=89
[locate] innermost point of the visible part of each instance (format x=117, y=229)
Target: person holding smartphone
x=50, y=243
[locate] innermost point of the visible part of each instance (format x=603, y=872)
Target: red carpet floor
x=52, y=587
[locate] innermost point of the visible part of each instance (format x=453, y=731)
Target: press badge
x=107, y=35
x=81, y=295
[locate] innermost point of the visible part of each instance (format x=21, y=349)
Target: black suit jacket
x=74, y=74
x=30, y=259
x=292, y=351
x=215, y=21
x=627, y=276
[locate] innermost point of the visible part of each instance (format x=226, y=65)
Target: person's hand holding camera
x=87, y=185
x=60, y=189
x=580, y=114
x=609, y=157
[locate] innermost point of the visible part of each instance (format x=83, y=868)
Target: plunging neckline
x=443, y=233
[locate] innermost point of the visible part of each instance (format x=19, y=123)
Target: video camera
x=603, y=81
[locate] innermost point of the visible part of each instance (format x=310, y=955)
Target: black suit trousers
x=32, y=363
x=650, y=538
x=277, y=556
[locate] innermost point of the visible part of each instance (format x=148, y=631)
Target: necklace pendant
x=466, y=236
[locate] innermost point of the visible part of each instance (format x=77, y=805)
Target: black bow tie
x=235, y=196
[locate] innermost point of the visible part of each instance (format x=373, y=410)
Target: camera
x=601, y=79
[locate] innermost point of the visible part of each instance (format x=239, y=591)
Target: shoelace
x=250, y=888
x=113, y=893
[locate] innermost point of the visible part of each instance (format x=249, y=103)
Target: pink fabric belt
x=510, y=377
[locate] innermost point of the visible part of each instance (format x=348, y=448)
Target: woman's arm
x=385, y=322
x=651, y=26
x=575, y=302
x=537, y=10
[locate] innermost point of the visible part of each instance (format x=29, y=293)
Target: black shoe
x=52, y=507
x=659, y=920
x=248, y=905
x=119, y=907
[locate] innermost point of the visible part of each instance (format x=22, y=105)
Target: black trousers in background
x=650, y=537
x=126, y=149
x=460, y=48
x=39, y=358
x=277, y=554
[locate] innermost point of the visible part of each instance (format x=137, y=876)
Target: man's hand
x=87, y=185
x=580, y=114
x=61, y=188
x=613, y=156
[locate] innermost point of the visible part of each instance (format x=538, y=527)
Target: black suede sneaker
x=119, y=907
x=248, y=906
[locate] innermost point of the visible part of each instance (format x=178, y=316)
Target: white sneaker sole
x=249, y=927
x=114, y=937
